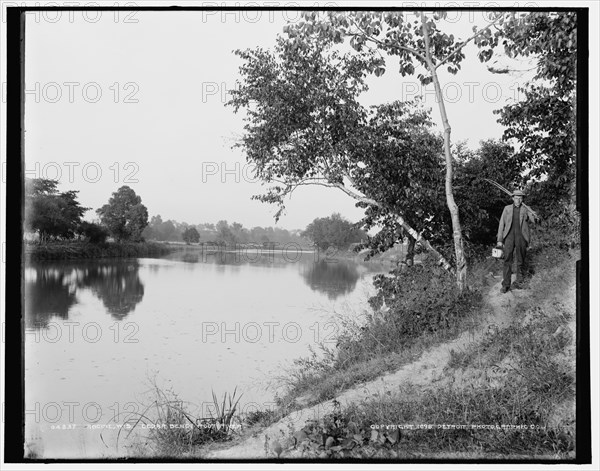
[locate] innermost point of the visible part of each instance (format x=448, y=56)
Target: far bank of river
x=77, y=250
x=292, y=252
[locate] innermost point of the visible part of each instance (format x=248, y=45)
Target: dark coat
x=506, y=222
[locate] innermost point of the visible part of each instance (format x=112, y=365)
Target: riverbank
x=472, y=375
x=503, y=388
x=433, y=374
x=72, y=250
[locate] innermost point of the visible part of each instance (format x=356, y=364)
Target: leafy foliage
x=124, y=216
x=402, y=169
x=94, y=233
x=419, y=300
x=190, y=235
x=49, y=213
x=336, y=436
x=543, y=122
x=398, y=34
x=306, y=126
x=481, y=204
x=236, y=233
x=332, y=231
x=302, y=112
x=157, y=229
x=303, y=127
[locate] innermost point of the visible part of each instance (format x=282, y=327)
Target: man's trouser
x=520, y=248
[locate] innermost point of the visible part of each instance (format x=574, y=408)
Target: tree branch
x=381, y=43
x=414, y=234
x=459, y=48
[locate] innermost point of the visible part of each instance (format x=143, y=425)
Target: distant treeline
x=220, y=233
x=53, y=218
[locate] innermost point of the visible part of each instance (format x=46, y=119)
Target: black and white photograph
x=341, y=234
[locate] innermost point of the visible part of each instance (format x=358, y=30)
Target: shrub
x=94, y=233
x=421, y=299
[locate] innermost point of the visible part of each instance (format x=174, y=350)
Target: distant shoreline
x=287, y=249
x=77, y=250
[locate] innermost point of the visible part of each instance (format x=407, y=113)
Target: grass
x=70, y=250
x=172, y=429
x=424, y=310
x=522, y=375
x=509, y=396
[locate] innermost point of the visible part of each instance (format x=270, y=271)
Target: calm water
x=100, y=333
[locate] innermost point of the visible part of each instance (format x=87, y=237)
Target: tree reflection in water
x=50, y=290
x=332, y=277
x=118, y=285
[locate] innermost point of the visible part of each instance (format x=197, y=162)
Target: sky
x=116, y=98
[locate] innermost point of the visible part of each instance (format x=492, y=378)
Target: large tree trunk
x=461, y=263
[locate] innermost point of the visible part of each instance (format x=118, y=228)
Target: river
x=101, y=333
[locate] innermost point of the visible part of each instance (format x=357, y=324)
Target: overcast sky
x=138, y=99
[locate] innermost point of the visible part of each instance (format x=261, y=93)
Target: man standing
x=513, y=235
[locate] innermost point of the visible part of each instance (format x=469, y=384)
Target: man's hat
x=518, y=193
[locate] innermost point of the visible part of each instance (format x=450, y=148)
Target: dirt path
x=425, y=371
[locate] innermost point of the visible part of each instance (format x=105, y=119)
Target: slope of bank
x=504, y=389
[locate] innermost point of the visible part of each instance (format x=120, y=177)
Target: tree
x=207, y=231
x=224, y=234
x=333, y=231
x=480, y=204
x=305, y=128
x=191, y=235
x=49, y=213
x=94, y=233
x=543, y=122
x=321, y=86
x=167, y=231
x=124, y=216
x=403, y=171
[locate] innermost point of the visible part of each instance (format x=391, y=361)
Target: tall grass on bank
x=168, y=428
x=508, y=408
x=510, y=396
x=414, y=309
x=68, y=250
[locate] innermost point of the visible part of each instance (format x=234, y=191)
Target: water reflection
x=48, y=292
x=278, y=258
x=51, y=290
x=118, y=286
x=332, y=277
